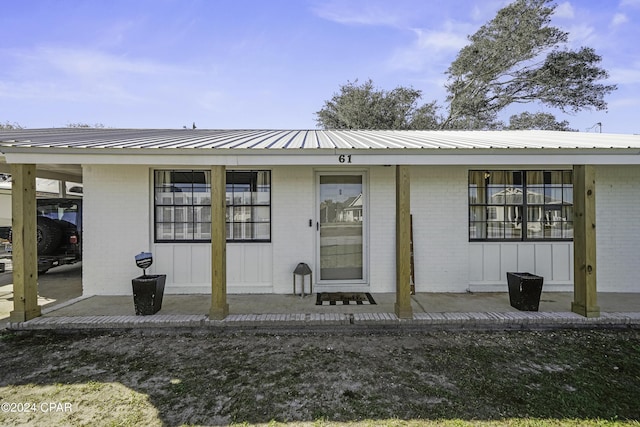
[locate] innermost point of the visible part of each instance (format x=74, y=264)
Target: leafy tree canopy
x=538, y=121
x=85, y=125
x=517, y=58
x=366, y=107
x=10, y=126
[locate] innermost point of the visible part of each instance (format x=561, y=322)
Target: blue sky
x=265, y=63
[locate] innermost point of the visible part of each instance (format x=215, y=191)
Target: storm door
x=341, y=228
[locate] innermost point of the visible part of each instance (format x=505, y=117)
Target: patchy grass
x=515, y=378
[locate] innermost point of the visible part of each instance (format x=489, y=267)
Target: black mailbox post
x=148, y=290
x=524, y=291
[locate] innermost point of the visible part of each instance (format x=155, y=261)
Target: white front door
x=342, y=249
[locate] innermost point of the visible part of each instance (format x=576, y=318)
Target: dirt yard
x=572, y=377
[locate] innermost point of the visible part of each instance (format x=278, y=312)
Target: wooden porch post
x=584, y=242
x=25, y=255
x=219, y=307
x=403, y=243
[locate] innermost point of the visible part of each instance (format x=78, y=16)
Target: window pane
x=496, y=195
x=241, y=214
x=183, y=214
x=261, y=214
x=263, y=188
x=180, y=198
x=478, y=230
x=164, y=214
x=554, y=178
x=567, y=177
x=478, y=213
x=164, y=196
x=567, y=213
x=262, y=231
x=495, y=178
x=553, y=195
x=242, y=231
x=512, y=231
x=535, y=195
x=567, y=195
x=229, y=191
x=203, y=197
x=202, y=214
x=535, y=178
x=202, y=231
x=495, y=230
x=495, y=213
x=567, y=230
x=164, y=231
x=535, y=230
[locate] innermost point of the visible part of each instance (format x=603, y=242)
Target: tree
x=539, y=121
x=365, y=107
x=10, y=126
x=517, y=58
x=85, y=125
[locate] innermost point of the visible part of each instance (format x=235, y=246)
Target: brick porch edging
x=484, y=320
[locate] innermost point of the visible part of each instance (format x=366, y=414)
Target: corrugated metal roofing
x=199, y=139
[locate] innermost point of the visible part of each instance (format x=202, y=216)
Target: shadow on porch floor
x=290, y=304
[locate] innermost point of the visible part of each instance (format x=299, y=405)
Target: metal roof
x=202, y=139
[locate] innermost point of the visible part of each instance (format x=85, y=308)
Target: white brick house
x=286, y=192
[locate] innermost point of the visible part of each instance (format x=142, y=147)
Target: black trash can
x=147, y=293
x=524, y=291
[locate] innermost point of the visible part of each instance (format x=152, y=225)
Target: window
x=183, y=206
x=248, y=206
x=520, y=205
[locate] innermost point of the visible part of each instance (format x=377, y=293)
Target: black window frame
x=171, y=208
x=527, y=205
x=239, y=179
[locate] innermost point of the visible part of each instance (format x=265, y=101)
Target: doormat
x=344, y=298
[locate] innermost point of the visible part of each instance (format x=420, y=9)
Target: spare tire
x=49, y=235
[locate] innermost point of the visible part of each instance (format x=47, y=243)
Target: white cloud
x=619, y=19
x=625, y=75
x=440, y=40
x=582, y=35
x=367, y=13
x=429, y=48
x=96, y=63
x=78, y=74
x=564, y=10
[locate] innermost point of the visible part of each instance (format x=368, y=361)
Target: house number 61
x=344, y=158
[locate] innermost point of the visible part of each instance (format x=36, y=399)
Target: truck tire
x=49, y=235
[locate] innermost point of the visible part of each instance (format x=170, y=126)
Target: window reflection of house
x=502, y=201
x=350, y=210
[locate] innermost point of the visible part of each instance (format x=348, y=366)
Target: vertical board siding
x=249, y=267
x=489, y=263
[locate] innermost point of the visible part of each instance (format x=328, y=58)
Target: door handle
x=317, y=226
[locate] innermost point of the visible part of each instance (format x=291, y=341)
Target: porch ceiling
x=63, y=172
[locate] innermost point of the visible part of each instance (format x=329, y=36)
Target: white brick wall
x=116, y=226
x=618, y=228
x=292, y=206
x=118, y=215
x=440, y=234
x=382, y=229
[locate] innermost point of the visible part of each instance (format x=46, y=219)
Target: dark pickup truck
x=59, y=232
